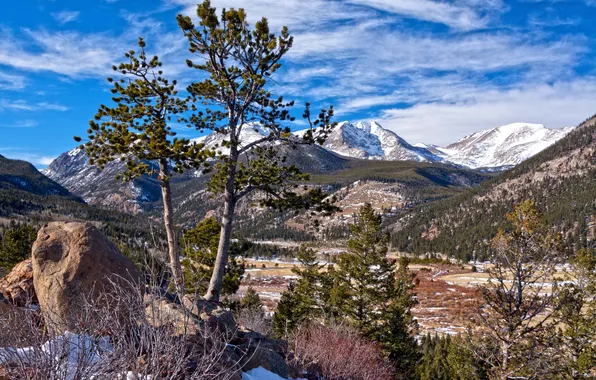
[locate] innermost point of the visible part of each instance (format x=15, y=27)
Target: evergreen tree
x=367, y=275
x=238, y=62
x=576, y=349
x=200, y=251
x=447, y=358
x=398, y=331
x=373, y=295
x=16, y=245
x=251, y=300
x=136, y=130
x=305, y=299
x=288, y=314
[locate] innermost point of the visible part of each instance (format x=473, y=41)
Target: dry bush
x=337, y=353
x=109, y=344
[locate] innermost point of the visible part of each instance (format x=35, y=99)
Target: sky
x=430, y=70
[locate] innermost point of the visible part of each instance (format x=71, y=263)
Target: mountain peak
x=503, y=146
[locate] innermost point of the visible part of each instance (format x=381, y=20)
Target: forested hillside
x=29, y=197
x=21, y=175
x=561, y=180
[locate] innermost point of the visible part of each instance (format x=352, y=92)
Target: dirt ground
x=446, y=303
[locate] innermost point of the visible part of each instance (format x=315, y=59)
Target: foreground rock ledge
x=74, y=262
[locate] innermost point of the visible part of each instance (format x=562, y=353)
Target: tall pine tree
x=135, y=130
x=373, y=295
x=238, y=62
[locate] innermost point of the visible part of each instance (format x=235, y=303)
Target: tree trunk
x=505, y=359
x=168, y=217
x=223, y=249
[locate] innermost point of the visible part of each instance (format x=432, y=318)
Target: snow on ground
x=261, y=373
x=68, y=350
x=72, y=350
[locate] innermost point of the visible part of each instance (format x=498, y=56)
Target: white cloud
x=20, y=154
x=21, y=124
x=52, y=106
x=67, y=53
x=65, y=17
x=453, y=15
x=559, y=105
x=12, y=81
x=22, y=105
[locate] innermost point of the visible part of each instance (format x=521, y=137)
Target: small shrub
x=337, y=353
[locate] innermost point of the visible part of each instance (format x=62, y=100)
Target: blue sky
x=430, y=70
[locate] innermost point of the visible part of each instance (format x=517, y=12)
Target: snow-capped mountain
x=500, y=147
x=250, y=133
x=495, y=148
x=372, y=141
x=504, y=146
x=96, y=187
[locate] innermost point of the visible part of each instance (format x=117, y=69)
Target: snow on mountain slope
x=504, y=146
x=498, y=148
x=73, y=171
x=372, y=141
x=250, y=133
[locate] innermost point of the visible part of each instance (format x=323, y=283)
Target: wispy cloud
x=65, y=17
x=71, y=54
x=52, y=106
x=12, y=81
x=22, y=105
x=558, y=105
x=38, y=160
x=458, y=16
x=21, y=124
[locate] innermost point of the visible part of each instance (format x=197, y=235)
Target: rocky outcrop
x=272, y=361
x=17, y=286
x=74, y=263
x=214, y=317
x=163, y=310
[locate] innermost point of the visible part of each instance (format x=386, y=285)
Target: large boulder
x=17, y=286
x=75, y=265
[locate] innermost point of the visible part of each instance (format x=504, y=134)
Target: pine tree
x=576, y=349
x=373, y=295
x=136, y=130
x=366, y=274
x=200, y=251
x=288, y=314
x=305, y=299
x=397, y=333
x=16, y=245
x=239, y=62
x=251, y=300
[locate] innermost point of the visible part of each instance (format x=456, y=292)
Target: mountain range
x=492, y=149
x=497, y=148
x=430, y=204
x=561, y=180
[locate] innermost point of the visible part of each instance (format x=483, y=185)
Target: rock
x=162, y=310
x=247, y=337
x=255, y=356
x=74, y=262
x=17, y=286
x=4, y=305
x=216, y=318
